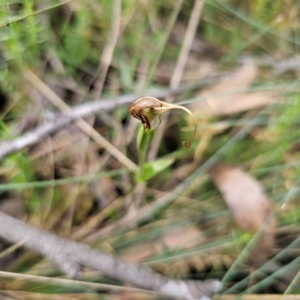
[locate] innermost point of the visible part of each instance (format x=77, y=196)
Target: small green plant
x=146, y=110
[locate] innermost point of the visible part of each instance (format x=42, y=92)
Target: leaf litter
x=249, y=207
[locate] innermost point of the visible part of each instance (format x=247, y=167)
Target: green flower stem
x=144, y=140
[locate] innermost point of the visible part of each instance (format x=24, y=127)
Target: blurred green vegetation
x=67, y=179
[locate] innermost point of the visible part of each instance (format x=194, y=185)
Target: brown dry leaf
x=177, y=238
x=249, y=206
x=183, y=237
x=244, y=196
x=180, y=268
x=140, y=252
x=221, y=100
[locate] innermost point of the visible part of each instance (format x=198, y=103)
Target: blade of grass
x=178, y=71
x=34, y=13
x=83, y=125
x=56, y=182
x=162, y=43
x=71, y=282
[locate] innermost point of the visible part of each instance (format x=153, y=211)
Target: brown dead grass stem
x=93, y=221
x=71, y=257
x=103, y=66
x=70, y=282
x=12, y=248
x=256, y=297
x=109, y=48
x=178, y=70
x=83, y=125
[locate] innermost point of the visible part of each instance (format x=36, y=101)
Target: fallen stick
x=80, y=111
x=71, y=257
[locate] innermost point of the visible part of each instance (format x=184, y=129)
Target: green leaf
x=151, y=169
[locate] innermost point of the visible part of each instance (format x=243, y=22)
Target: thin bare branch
x=71, y=257
x=82, y=124
x=83, y=110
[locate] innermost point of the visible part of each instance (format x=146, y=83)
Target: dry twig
x=60, y=121
x=82, y=124
x=80, y=111
x=71, y=257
